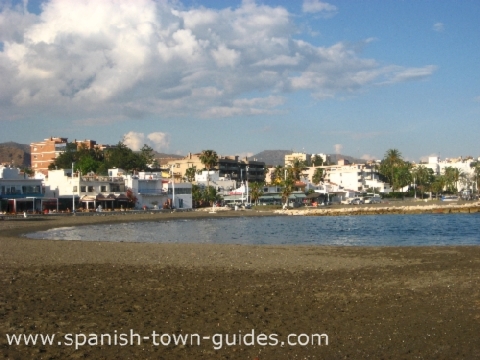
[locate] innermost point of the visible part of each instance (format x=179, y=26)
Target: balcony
x=108, y=179
x=151, y=192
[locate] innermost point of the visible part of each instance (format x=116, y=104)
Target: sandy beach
x=372, y=302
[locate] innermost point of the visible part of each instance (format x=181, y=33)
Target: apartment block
x=43, y=153
x=229, y=167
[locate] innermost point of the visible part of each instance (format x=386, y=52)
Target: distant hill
x=163, y=158
x=15, y=153
x=277, y=157
x=335, y=157
x=271, y=157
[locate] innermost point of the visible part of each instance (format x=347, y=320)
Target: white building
x=87, y=191
x=18, y=192
x=154, y=192
x=222, y=184
x=438, y=166
x=117, y=190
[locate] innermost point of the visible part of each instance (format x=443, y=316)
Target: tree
x=317, y=176
x=422, y=177
x=438, y=185
x=452, y=175
x=121, y=156
x=390, y=163
x=256, y=190
x=28, y=171
x=277, y=175
x=317, y=161
x=87, y=164
x=475, y=165
x=132, y=199
x=190, y=174
x=402, y=175
x=66, y=158
x=147, y=156
x=297, y=166
x=209, y=195
x=287, y=189
x=209, y=159
x=196, y=195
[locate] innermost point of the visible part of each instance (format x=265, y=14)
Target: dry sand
x=409, y=302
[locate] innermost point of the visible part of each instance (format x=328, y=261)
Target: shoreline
x=418, y=208
x=377, y=302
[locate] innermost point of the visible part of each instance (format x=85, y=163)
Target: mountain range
x=19, y=155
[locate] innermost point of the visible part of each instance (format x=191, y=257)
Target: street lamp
x=414, y=186
x=247, y=183
x=73, y=192
x=173, y=188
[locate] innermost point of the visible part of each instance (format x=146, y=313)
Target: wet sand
x=409, y=302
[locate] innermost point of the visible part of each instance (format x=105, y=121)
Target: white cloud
x=134, y=140
x=315, y=6
x=120, y=59
x=409, y=74
x=367, y=157
x=157, y=140
x=244, y=155
x=439, y=27
x=338, y=148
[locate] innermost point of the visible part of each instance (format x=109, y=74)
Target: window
x=179, y=191
x=103, y=188
x=83, y=189
x=117, y=187
x=90, y=189
x=75, y=188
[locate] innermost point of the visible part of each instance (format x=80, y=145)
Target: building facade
x=45, y=152
x=18, y=192
x=229, y=167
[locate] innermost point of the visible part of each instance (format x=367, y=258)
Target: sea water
x=370, y=230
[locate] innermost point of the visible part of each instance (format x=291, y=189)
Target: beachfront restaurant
x=30, y=205
x=92, y=202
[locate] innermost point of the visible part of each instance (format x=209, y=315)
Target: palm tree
x=256, y=190
x=421, y=177
x=390, y=163
x=190, y=174
x=402, y=176
x=196, y=195
x=209, y=159
x=317, y=176
x=277, y=175
x=296, y=167
x=452, y=176
x=287, y=189
x=476, y=172
x=439, y=184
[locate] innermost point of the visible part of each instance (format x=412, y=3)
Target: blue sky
x=355, y=77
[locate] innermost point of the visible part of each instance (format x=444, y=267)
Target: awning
x=122, y=197
x=314, y=195
x=86, y=198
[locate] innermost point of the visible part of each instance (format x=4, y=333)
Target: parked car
x=353, y=201
x=372, y=200
x=356, y=201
